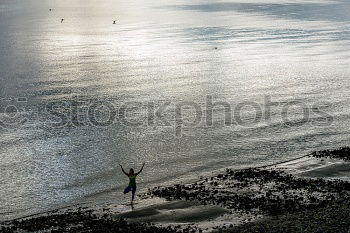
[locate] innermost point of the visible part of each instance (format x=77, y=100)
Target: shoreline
x=242, y=200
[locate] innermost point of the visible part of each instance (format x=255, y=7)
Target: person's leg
x=133, y=194
x=127, y=189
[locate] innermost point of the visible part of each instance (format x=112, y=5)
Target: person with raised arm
x=132, y=181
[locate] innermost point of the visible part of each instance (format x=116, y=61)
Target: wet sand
x=333, y=219
x=288, y=197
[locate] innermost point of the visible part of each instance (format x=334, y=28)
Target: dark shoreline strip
x=341, y=153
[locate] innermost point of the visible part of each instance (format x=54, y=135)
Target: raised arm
x=140, y=169
x=123, y=170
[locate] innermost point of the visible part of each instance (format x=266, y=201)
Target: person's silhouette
x=132, y=181
x=62, y=20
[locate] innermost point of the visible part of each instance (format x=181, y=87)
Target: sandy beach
x=285, y=197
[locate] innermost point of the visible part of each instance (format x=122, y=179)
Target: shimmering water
x=295, y=53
